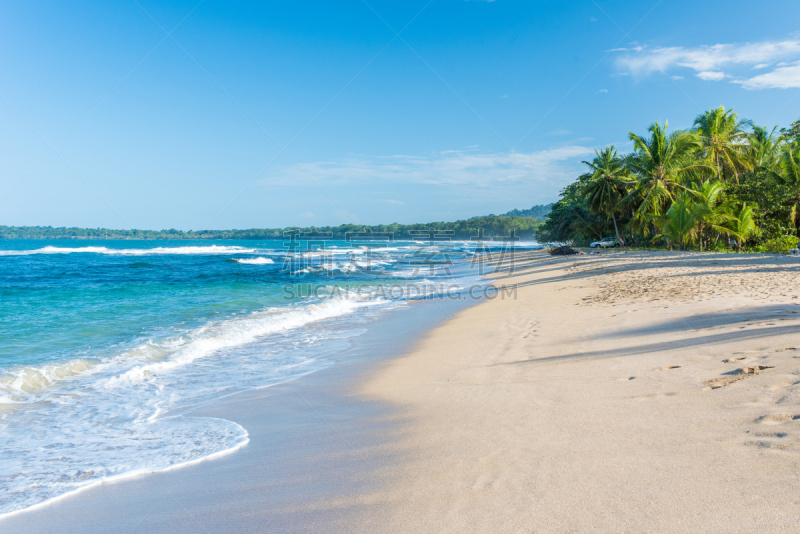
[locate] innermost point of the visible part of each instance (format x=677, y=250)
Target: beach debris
x=563, y=251
x=735, y=376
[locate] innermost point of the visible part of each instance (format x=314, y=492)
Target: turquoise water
x=106, y=346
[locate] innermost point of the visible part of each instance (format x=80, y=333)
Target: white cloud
x=395, y=202
x=706, y=58
x=780, y=78
x=708, y=62
x=676, y=77
x=553, y=167
x=711, y=75
x=636, y=48
x=603, y=91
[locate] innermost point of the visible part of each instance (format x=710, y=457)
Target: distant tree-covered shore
x=524, y=228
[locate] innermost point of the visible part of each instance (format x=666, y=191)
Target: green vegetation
x=724, y=184
x=537, y=212
x=781, y=244
x=492, y=226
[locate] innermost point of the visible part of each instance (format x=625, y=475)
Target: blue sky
x=213, y=114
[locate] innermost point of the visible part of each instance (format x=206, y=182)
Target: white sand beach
x=625, y=392
x=622, y=392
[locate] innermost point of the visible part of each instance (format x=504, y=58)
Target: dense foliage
x=723, y=184
x=537, y=212
x=492, y=226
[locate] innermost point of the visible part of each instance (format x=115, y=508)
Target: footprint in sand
x=654, y=395
x=770, y=434
x=531, y=330
x=733, y=359
x=777, y=419
x=763, y=444
x=787, y=348
x=734, y=376
x=670, y=367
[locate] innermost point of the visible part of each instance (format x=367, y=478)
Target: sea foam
x=255, y=261
x=88, y=414
x=120, y=415
x=212, y=249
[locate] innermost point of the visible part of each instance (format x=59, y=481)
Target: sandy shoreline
x=620, y=392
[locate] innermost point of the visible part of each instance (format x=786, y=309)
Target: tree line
x=524, y=228
x=724, y=184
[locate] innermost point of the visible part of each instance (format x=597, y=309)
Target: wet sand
x=315, y=447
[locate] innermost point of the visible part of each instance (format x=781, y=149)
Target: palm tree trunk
x=616, y=230
x=700, y=237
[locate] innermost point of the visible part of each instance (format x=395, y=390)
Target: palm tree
x=789, y=174
x=660, y=163
x=790, y=163
x=680, y=222
x=724, y=140
x=764, y=150
x=742, y=224
x=709, y=207
x=606, y=184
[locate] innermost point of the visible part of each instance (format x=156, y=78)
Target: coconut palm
x=742, y=224
x=724, y=140
x=680, y=222
x=606, y=184
x=710, y=208
x=789, y=175
x=764, y=149
x=790, y=163
x=660, y=162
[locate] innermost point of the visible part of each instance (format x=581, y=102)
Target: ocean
x=106, y=347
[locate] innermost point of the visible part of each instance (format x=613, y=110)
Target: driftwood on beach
x=562, y=251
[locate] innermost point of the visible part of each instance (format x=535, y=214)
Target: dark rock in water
x=562, y=251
